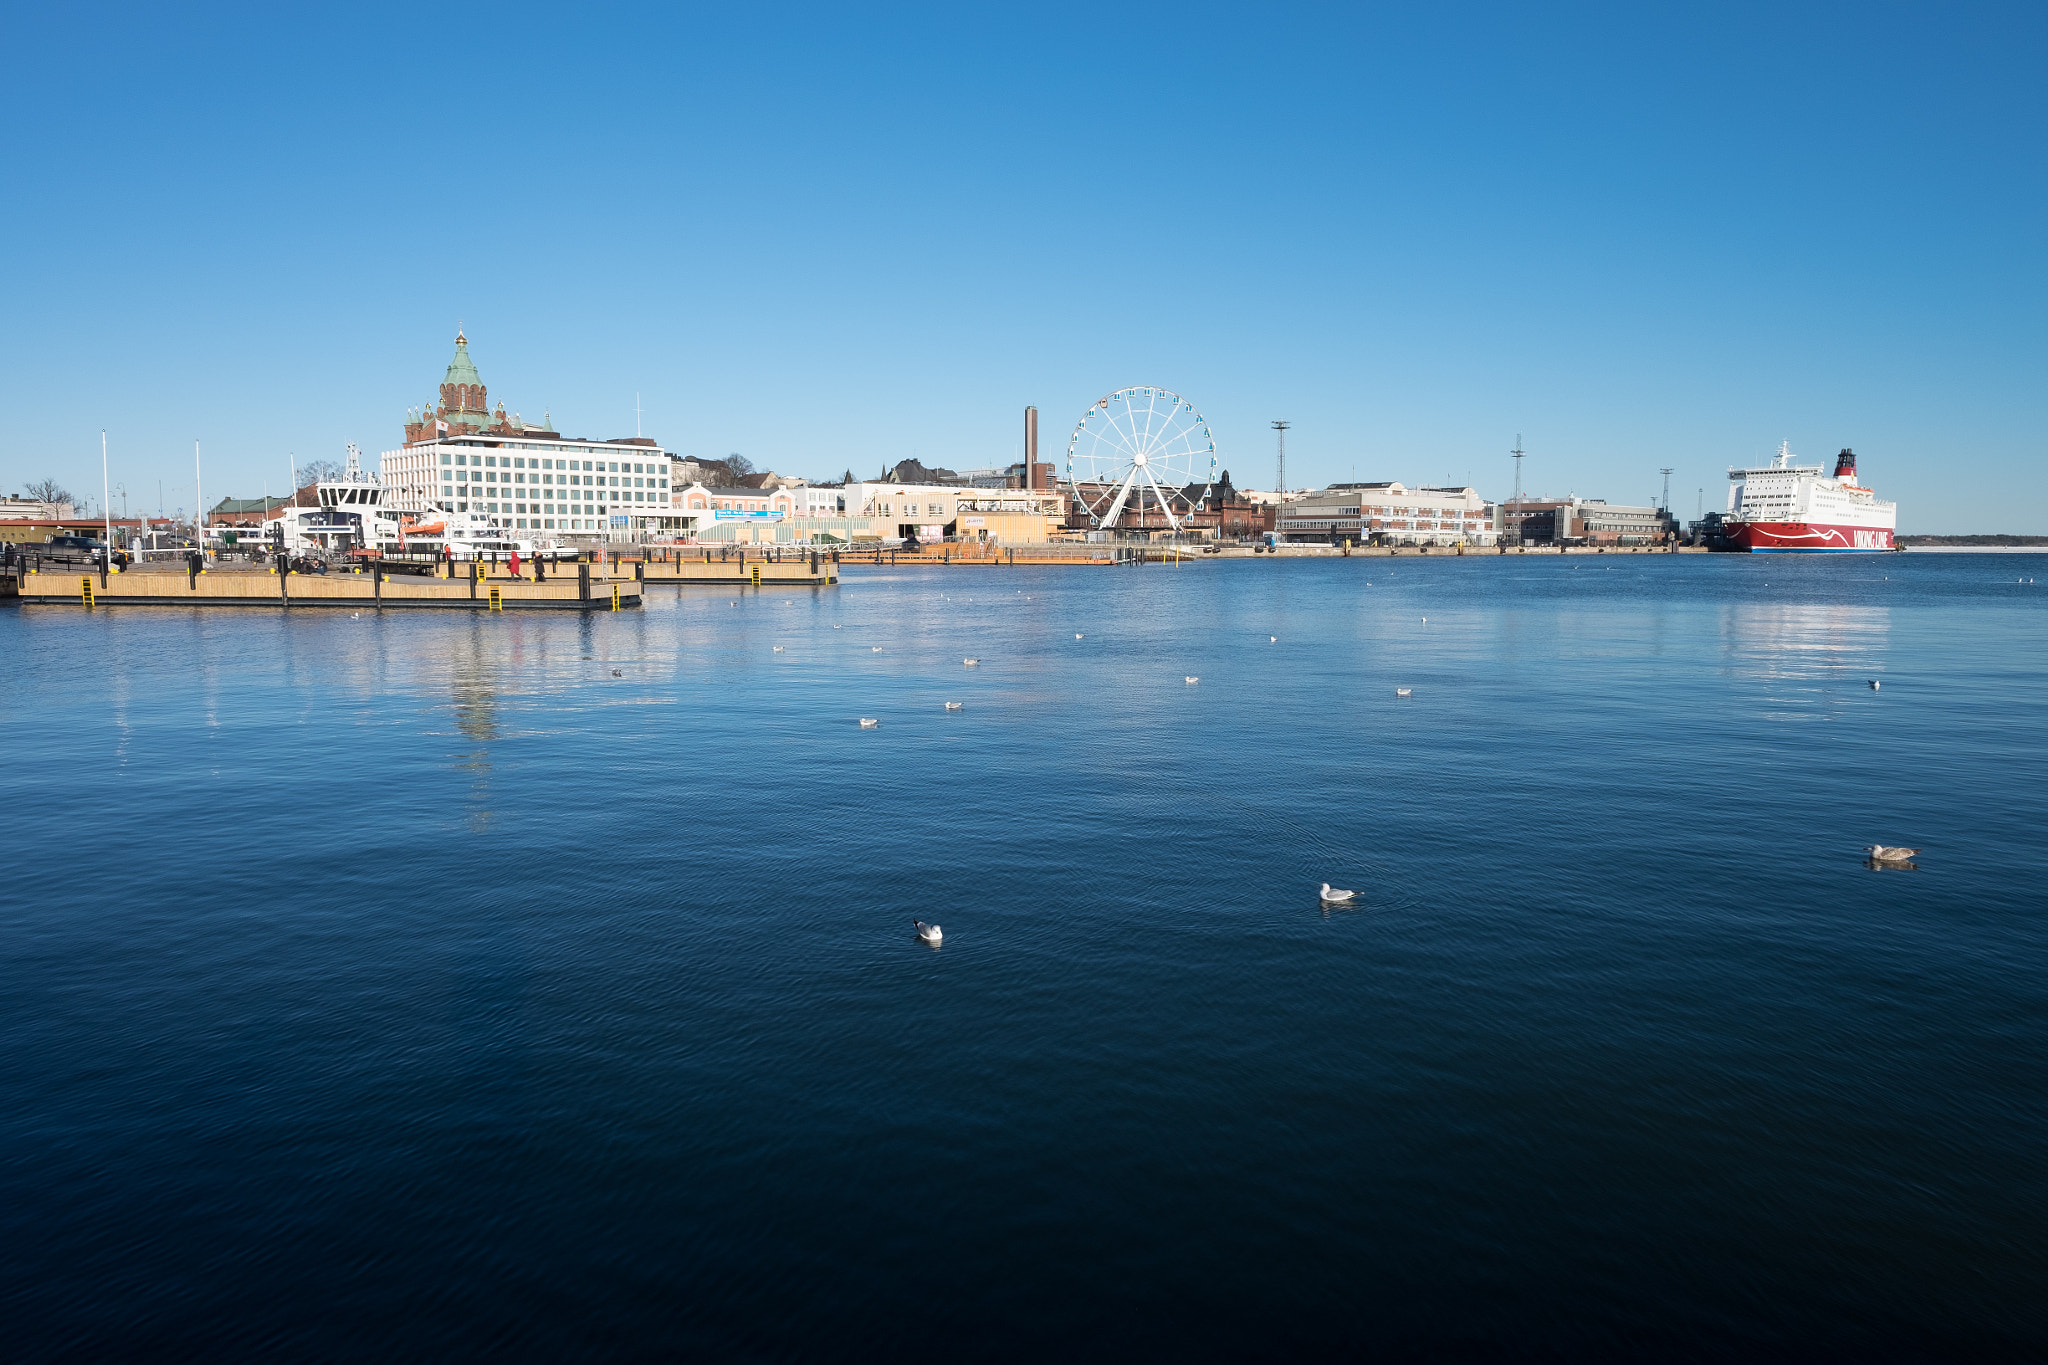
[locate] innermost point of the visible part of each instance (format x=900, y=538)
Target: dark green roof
x=231, y=507
x=462, y=370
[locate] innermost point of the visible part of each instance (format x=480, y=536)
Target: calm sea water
x=415, y=988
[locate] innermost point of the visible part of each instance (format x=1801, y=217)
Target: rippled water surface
x=414, y=987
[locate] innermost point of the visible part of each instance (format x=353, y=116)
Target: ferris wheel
x=1141, y=446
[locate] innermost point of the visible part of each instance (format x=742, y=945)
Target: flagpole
x=106, y=500
x=200, y=493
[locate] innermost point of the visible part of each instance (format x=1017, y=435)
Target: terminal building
x=462, y=455
x=1389, y=514
x=1583, y=521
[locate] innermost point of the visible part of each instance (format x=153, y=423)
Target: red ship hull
x=1808, y=537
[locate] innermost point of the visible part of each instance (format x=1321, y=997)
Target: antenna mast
x=1667, y=488
x=1518, y=452
x=1280, y=477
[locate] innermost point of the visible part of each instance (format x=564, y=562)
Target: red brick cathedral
x=464, y=407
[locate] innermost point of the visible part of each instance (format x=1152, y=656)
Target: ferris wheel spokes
x=1138, y=439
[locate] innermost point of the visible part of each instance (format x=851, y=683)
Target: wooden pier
x=687, y=567
x=568, y=588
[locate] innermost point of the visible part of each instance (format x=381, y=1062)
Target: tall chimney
x=1845, y=464
x=1030, y=443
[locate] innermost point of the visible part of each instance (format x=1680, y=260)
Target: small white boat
x=1332, y=896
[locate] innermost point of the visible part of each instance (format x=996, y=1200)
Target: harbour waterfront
x=442, y=985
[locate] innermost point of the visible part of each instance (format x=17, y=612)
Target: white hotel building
x=1392, y=514
x=460, y=456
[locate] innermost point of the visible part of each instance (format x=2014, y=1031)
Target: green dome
x=462, y=370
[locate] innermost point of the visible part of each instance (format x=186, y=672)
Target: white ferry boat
x=351, y=514
x=1783, y=508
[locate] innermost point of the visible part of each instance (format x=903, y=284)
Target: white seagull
x=930, y=933
x=1875, y=684
x=1192, y=680
x=952, y=706
x=1403, y=691
x=867, y=724
x=778, y=649
x=970, y=662
x=1077, y=635
x=1332, y=896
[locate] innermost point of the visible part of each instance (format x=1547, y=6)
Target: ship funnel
x=1845, y=464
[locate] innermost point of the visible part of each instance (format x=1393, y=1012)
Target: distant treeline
x=1972, y=540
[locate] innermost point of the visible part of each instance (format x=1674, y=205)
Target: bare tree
x=49, y=490
x=739, y=464
x=317, y=471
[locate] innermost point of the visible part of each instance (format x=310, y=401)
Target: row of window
x=616, y=480
x=451, y=494
x=523, y=462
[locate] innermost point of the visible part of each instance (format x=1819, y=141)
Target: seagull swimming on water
x=1879, y=853
x=778, y=649
x=952, y=706
x=930, y=933
x=867, y=724
x=1192, y=680
x=618, y=673
x=1332, y=896
x=1403, y=691
x=971, y=663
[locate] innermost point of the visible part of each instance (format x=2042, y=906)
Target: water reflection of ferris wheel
x=1138, y=455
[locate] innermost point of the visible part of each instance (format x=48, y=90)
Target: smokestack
x=1845, y=464
x=1030, y=443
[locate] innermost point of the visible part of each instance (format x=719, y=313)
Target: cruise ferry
x=1784, y=507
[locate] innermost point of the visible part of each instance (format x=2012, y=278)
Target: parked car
x=79, y=550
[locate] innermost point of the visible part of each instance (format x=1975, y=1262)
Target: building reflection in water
x=473, y=686
x=1805, y=650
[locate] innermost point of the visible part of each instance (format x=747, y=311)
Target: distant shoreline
x=1974, y=542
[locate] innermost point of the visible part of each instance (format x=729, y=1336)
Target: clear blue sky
x=1637, y=235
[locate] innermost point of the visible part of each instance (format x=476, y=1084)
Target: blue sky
x=1636, y=235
